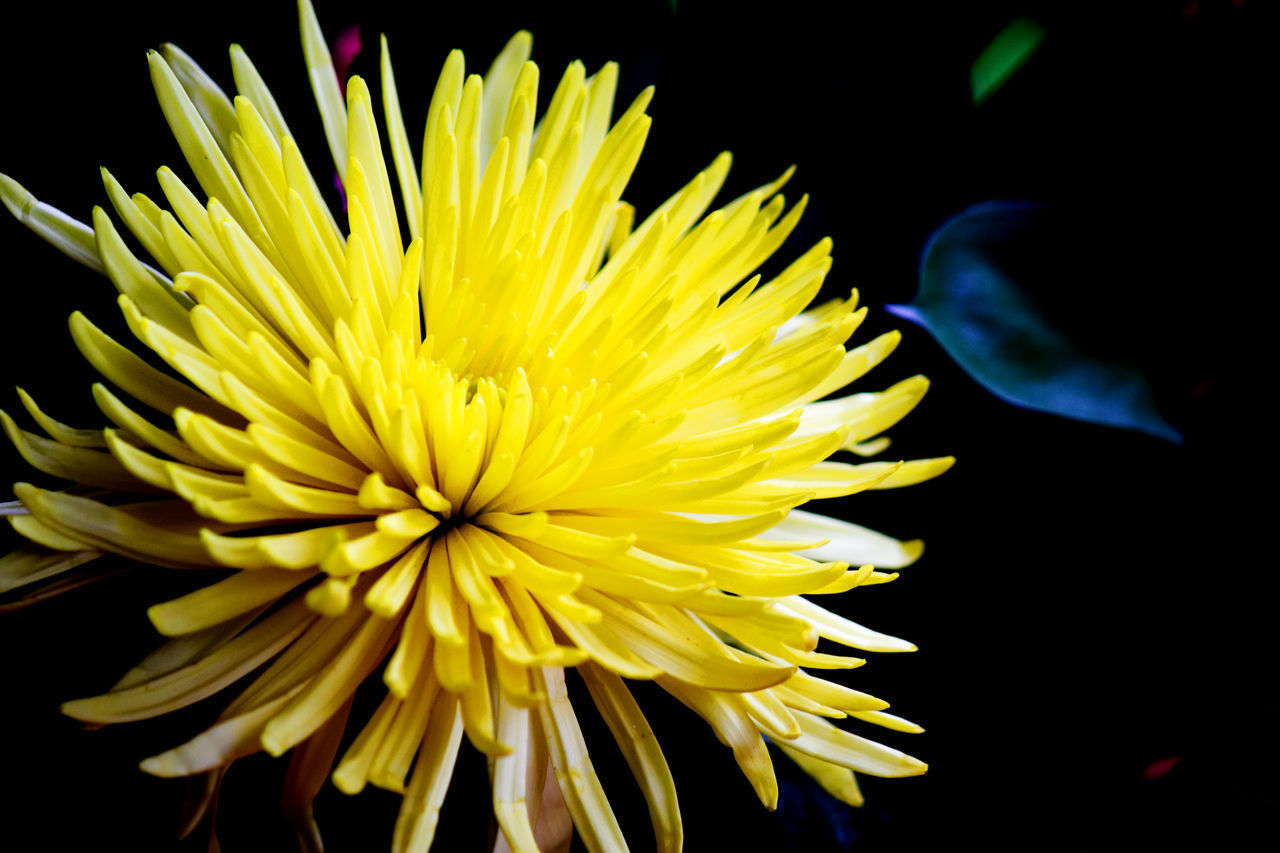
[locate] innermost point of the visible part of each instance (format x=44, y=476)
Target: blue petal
x=997, y=334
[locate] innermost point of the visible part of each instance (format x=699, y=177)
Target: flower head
x=536, y=437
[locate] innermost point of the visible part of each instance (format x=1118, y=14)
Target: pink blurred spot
x=346, y=47
x=1191, y=10
x=1160, y=769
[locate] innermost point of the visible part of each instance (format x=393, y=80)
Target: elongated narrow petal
x=643, y=754
x=74, y=239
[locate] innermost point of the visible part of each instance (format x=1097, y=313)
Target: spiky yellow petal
x=483, y=428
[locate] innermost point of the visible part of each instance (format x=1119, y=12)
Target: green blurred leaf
x=1006, y=53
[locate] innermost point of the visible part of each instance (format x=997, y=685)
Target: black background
x=1091, y=600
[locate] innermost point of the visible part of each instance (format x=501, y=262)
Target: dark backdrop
x=1091, y=601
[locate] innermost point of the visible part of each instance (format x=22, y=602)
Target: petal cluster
x=482, y=428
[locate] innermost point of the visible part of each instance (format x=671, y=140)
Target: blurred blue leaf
x=1006, y=53
x=814, y=821
x=1000, y=337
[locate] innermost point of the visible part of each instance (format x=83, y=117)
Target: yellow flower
x=536, y=438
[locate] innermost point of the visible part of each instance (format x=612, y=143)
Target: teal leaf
x=992, y=328
x=1006, y=53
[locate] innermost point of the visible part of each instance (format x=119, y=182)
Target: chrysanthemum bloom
x=534, y=439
